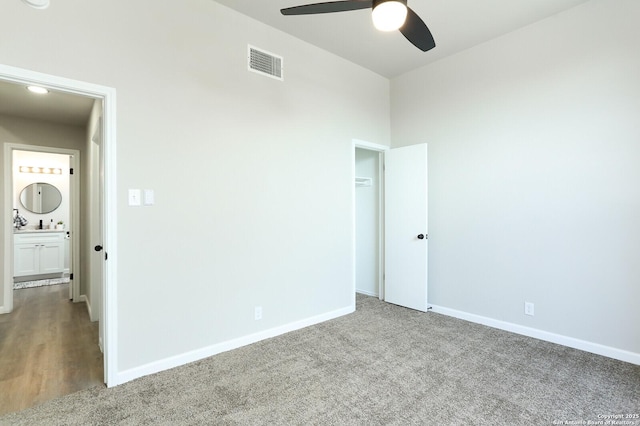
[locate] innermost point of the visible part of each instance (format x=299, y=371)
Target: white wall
x=367, y=222
x=534, y=154
x=252, y=176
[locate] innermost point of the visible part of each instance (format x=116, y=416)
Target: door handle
x=98, y=248
x=423, y=236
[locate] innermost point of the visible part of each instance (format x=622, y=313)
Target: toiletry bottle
x=51, y=225
x=40, y=224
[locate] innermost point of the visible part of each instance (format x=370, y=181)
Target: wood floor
x=48, y=348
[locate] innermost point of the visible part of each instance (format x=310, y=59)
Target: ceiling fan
x=387, y=15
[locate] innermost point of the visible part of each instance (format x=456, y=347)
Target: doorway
x=45, y=329
x=108, y=312
x=401, y=232
x=62, y=183
x=368, y=160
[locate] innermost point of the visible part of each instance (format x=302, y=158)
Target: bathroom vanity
x=38, y=252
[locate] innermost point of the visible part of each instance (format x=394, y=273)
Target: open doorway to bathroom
x=50, y=344
x=45, y=210
x=102, y=106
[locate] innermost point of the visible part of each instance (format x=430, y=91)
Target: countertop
x=36, y=231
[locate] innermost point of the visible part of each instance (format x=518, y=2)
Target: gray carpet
x=381, y=365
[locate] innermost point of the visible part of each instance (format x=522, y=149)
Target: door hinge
x=71, y=171
x=70, y=276
x=106, y=256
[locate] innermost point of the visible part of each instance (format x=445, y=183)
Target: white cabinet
x=38, y=253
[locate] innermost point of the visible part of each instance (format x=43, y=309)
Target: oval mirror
x=40, y=197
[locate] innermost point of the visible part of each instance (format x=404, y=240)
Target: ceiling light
x=44, y=170
x=37, y=89
x=37, y=4
x=389, y=15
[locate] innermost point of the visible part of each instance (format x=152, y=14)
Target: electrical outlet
x=528, y=308
x=148, y=197
x=257, y=313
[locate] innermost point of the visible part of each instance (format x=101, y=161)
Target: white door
x=95, y=232
x=406, y=231
x=69, y=242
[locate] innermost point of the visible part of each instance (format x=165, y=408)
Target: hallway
x=48, y=348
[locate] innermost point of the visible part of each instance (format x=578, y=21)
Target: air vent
x=265, y=63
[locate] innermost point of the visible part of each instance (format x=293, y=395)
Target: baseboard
x=3, y=310
x=367, y=293
x=196, y=355
x=85, y=299
x=583, y=345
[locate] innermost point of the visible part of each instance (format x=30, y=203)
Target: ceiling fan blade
x=416, y=31
x=328, y=7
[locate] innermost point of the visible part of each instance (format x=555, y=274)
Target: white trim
x=7, y=266
x=381, y=219
x=109, y=310
x=87, y=302
x=74, y=186
x=353, y=224
x=357, y=143
x=109, y=290
x=198, y=354
x=367, y=293
x=583, y=345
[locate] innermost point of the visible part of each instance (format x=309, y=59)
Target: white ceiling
x=56, y=107
x=456, y=25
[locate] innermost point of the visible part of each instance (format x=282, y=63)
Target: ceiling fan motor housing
x=377, y=2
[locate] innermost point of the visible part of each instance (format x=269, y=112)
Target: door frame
x=109, y=225
x=380, y=149
x=74, y=212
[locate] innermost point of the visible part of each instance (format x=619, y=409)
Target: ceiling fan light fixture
x=37, y=4
x=389, y=15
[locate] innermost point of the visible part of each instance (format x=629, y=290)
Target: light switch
x=134, y=197
x=148, y=197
